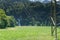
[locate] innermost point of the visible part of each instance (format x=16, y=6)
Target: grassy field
x=27, y=33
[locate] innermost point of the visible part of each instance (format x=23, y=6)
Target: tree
x=3, y=22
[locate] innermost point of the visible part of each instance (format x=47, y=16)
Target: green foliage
x=23, y=9
x=3, y=22
x=2, y=13
x=11, y=21
x=6, y=20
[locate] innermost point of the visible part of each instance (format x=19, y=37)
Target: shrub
x=3, y=23
x=5, y=20
x=11, y=22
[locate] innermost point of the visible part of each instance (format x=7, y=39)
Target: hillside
x=29, y=13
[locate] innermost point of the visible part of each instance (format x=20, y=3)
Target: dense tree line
x=29, y=13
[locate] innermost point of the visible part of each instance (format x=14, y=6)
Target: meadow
x=27, y=33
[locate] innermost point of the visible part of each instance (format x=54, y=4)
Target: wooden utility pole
x=54, y=30
x=55, y=20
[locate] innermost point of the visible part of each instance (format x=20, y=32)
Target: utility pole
x=54, y=30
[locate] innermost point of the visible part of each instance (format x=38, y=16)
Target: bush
x=3, y=23
x=5, y=20
x=11, y=22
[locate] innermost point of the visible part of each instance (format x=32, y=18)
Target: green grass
x=27, y=33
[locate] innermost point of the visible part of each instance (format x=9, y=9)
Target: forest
x=27, y=13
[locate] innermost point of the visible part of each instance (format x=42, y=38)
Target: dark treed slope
x=29, y=13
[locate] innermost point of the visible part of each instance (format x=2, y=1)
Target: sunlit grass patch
x=27, y=33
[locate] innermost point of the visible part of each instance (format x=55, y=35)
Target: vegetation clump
x=5, y=20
